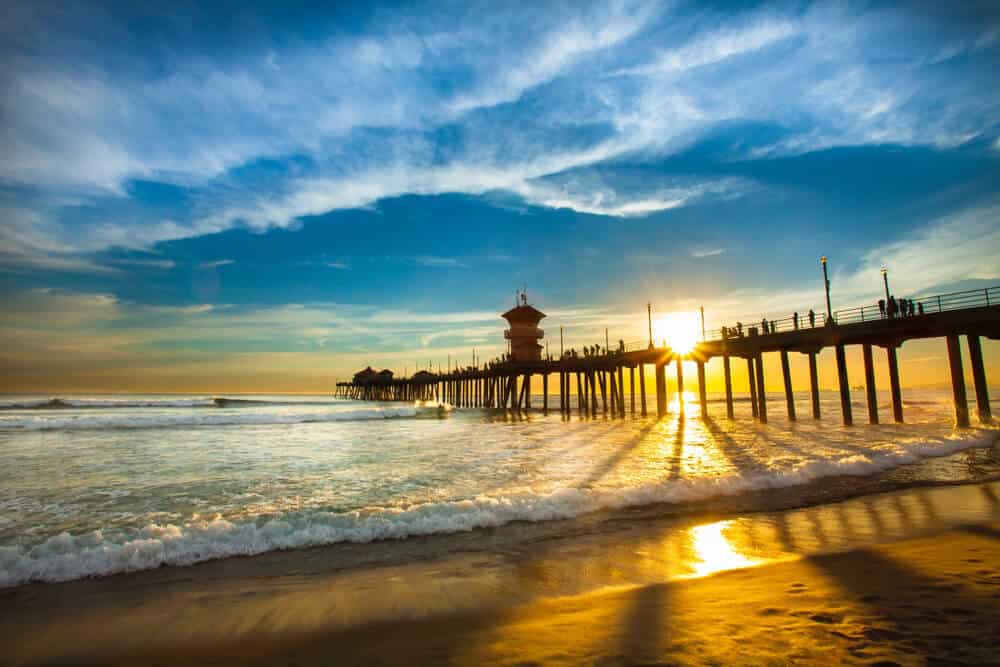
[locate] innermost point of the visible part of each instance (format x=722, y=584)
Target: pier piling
x=866, y=352
x=702, y=393
x=979, y=379
x=761, y=392
x=957, y=381
x=680, y=385
x=787, y=376
x=642, y=389
x=814, y=384
x=845, y=388
x=661, y=389
x=726, y=371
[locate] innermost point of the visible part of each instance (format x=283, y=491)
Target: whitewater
x=98, y=485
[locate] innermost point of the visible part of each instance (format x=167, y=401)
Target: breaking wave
x=48, y=422
x=64, y=556
x=110, y=403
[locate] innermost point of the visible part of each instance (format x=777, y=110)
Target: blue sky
x=277, y=192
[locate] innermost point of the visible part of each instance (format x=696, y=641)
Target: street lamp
x=649, y=316
x=885, y=281
x=826, y=283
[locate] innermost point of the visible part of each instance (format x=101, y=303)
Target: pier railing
x=922, y=305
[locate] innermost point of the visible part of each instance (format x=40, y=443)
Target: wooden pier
x=599, y=380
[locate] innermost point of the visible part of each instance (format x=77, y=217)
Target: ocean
x=97, y=485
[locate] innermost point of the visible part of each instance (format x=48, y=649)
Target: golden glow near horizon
x=681, y=331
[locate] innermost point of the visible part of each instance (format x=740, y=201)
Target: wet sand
x=908, y=577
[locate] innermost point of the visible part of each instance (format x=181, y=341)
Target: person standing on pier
x=881, y=308
x=812, y=319
x=795, y=320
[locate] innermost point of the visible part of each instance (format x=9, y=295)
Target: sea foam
x=65, y=557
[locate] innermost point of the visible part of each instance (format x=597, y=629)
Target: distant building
x=365, y=376
x=524, y=333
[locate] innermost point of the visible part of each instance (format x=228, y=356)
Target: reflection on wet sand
x=644, y=553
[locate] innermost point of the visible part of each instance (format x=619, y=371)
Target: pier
x=599, y=379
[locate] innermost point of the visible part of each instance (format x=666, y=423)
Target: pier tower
x=524, y=333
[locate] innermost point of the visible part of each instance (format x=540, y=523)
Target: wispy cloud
x=216, y=263
x=426, y=101
x=144, y=262
x=700, y=253
x=440, y=262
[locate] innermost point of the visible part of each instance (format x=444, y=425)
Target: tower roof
x=523, y=313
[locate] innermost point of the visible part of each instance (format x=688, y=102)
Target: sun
x=679, y=330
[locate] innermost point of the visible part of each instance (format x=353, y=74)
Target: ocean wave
x=208, y=418
x=111, y=403
x=65, y=557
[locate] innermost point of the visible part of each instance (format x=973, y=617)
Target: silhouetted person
x=881, y=308
x=920, y=308
x=893, y=308
x=739, y=329
x=812, y=318
x=795, y=320
x=763, y=325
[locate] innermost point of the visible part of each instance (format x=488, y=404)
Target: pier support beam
x=702, y=393
x=897, y=396
x=621, y=392
x=845, y=388
x=604, y=392
x=761, y=393
x=613, y=391
x=592, y=379
x=866, y=352
x=979, y=379
x=545, y=393
x=752, y=381
x=814, y=384
x=680, y=385
x=661, y=389
x=642, y=388
x=787, y=376
x=958, y=381
x=631, y=393
x=727, y=373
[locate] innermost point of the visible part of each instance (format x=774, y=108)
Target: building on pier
x=365, y=376
x=524, y=333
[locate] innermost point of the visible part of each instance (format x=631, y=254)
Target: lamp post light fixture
x=826, y=284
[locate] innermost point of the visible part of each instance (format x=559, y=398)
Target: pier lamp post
x=560, y=341
x=885, y=281
x=649, y=317
x=826, y=284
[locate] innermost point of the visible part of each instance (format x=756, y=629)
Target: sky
x=239, y=196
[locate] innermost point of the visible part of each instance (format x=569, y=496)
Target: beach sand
x=911, y=577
